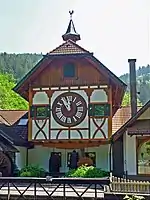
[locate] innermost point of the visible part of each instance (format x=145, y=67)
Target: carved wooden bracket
x=49, y=93
x=89, y=91
x=106, y=91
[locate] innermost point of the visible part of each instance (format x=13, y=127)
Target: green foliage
x=87, y=172
x=18, y=64
x=143, y=83
x=126, y=100
x=133, y=197
x=8, y=98
x=32, y=171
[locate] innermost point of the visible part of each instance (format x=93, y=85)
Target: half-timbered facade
x=72, y=98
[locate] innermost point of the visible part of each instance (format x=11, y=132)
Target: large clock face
x=69, y=109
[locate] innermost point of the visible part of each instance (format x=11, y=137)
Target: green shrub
x=32, y=171
x=87, y=172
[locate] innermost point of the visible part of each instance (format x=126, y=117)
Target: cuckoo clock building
x=72, y=98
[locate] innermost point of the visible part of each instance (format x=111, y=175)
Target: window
x=23, y=122
x=99, y=110
x=40, y=111
x=69, y=70
x=143, y=160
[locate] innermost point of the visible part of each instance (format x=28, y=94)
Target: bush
x=32, y=171
x=87, y=172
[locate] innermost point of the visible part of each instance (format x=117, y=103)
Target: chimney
x=133, y=92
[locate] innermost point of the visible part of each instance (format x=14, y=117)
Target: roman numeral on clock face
x=78, y=114
x=63, y=119
x=58, y=109
x=59, y=114
x=80, y=109
x=78, y=103
x=69, y=98
x=68, y=120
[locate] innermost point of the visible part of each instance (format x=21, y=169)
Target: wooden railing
x=51, y=188
x=122, y=185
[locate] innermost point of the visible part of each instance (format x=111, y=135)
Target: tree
x=127, y=102
x=8, y=98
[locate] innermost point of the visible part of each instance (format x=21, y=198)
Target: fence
x=51, y=188
x=121, y=185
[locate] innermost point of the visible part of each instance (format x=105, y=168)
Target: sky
x=114, y=30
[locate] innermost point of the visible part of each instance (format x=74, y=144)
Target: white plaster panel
x=40, y=156
x=21, y=157
x=98, y=96
x=40, y=97
x=104, y=128
x=74, y=134
x=35, y=129
x=102, y=156
x=130, y=154
x=63, y=135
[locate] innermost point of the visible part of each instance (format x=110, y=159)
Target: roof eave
x=123, y=128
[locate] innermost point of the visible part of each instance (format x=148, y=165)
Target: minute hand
x=67, y=104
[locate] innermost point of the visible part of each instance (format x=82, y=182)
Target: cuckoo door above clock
x=69, y=109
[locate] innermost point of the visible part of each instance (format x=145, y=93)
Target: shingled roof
x=17, y=135
x=122, y=115
x=10, y=117
x=7, y=146
x=69, y=47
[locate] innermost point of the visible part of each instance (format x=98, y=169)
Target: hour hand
x=67, y=104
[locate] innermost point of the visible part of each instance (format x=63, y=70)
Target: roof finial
x=71, y=33
x=71, y=13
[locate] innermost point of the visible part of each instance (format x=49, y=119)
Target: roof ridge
x=65, y=43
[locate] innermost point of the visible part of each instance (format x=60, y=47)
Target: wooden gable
x=85, y=74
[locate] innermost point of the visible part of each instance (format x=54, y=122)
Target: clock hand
x=67, y=105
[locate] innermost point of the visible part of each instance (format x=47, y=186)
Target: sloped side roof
x=6, y=146
x=15, y=134
x=131, y=120
x=122, y=115
x=9, y=117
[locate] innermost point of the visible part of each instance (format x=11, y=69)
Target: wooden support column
x=29, y=116
x=49, y=94
x=27, y=156
x=110, y=117
x=89, y=94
